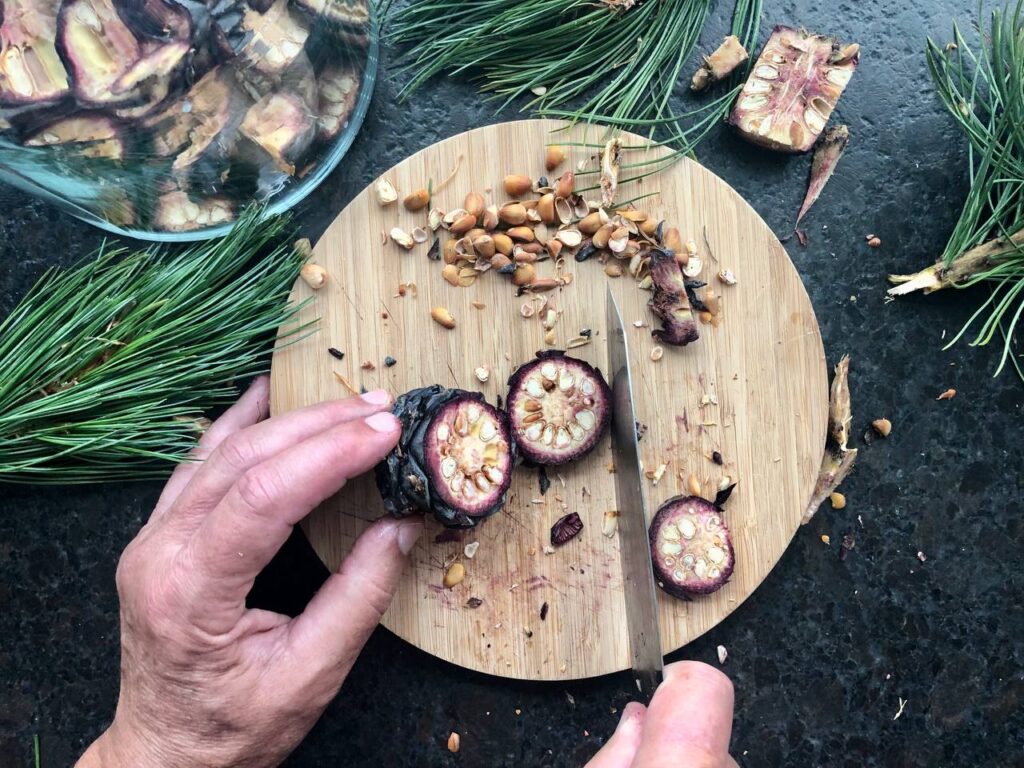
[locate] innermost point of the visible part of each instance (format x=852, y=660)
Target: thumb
x=338, y=621
x=622, y=746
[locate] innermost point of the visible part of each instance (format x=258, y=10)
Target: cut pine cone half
x=793, y=89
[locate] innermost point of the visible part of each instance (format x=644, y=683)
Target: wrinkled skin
x=206, y=681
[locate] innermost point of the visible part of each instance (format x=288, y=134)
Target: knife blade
x=634, y=546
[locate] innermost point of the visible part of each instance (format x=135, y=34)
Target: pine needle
x=618, y=64
x=107, y=366
x=984, y=92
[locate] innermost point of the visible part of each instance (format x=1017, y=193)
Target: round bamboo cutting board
x=753, y=389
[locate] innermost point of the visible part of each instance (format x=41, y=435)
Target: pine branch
x=620, y=61
x=984, y=92
x=108, y=366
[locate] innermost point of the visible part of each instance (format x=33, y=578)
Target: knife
x=635, y=550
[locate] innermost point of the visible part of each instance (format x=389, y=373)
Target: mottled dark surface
x=823, y=652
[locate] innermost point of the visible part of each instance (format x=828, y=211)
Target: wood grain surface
x=763, y=369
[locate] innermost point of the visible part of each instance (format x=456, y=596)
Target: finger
x=238, y=538
x=621, y=748
x=689, y=721
x=339, y=619
x=237, y=453
x=253, y=406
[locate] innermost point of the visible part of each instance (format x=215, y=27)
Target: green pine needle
x=983, y=90
x=107, y=366
x=599, y=63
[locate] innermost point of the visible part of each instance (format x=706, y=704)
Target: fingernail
x=408, y=533
x=382, y=422
x=376, y=397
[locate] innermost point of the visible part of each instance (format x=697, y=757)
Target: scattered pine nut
x=416, y=201
x=723, y=654
x=826, y=539
x=657, y=353
x=693, y=485
x=483, y=373
x=554, y=156
x=304, y=248
x=949, y=394
x=838, y=500
x=443, y=317
x=454, y=576
x=517, y=185
x=454, y=742
x=882, y=427
x=314, y=275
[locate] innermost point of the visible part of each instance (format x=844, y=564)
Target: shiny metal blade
x=637, y=571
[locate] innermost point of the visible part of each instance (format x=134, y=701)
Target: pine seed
x=417, y=200
x=454, y=576
x=474, y=204
x=657, y=353
x=882, y=427
x=314, y=275
x=513, y=214
x=554, y=156
x=693, y=485
x=565, y=184
x=517, y=185
x=672, y=240
x=544, y=284
x=442, y=317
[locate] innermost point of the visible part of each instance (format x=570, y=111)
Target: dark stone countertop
x=822, y=653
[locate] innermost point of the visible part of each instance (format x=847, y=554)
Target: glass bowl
x=162, y=119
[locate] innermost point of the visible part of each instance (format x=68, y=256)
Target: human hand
x=204, y=680
x=687, y=725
